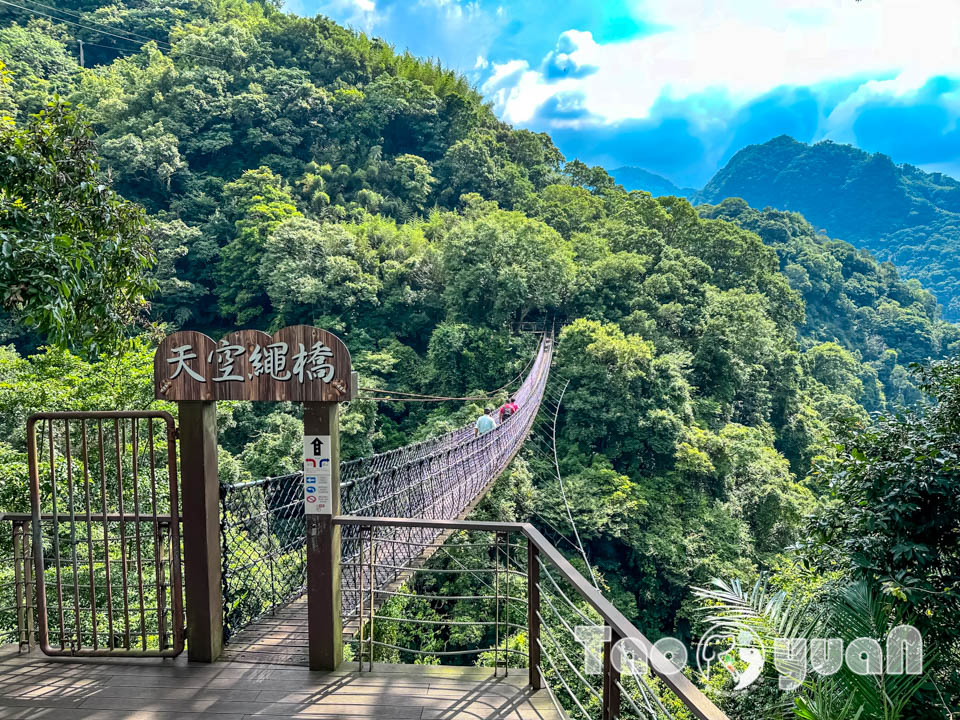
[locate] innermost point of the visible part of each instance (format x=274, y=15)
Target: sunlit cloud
x=747, y=50
x=615, y=81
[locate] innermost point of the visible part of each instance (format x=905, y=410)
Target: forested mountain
x=898, y=212
x=291, y=170
x=634, y=178
x=294, y=171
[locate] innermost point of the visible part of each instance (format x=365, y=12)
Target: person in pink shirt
x=508, y=409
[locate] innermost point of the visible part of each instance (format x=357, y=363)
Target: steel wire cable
x=563, y=682
x=580, y=676
x=160, y=44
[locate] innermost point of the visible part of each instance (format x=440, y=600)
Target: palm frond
x=825, y=699
x=771, y=614
x=856, y=612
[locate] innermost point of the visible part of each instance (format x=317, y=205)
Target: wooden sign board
x=297, y=364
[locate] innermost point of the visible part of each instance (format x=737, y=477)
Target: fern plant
x=853, y=612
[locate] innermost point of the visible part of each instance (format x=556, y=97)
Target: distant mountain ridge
x=634, y=178
x=899, y=212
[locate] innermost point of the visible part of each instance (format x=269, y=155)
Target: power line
x=167, y=47
x=94, y=22
x=122, y=51
x=69, y=22
x=551, y=428
x=418, y=397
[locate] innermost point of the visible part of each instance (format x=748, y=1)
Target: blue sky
x=678, y=86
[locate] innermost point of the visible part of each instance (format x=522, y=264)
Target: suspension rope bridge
x=443, y=478
x=95, y=568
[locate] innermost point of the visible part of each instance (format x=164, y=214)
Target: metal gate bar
x=99, y=513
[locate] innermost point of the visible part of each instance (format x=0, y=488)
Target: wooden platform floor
x=279, y=639
x=34, y=686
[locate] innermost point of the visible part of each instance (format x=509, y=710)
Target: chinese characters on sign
x=316, y=475
x=271, y=360
x=180, y=356
x=298, y=364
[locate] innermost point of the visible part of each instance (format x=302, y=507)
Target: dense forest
x=736, y=379
x=899, y=212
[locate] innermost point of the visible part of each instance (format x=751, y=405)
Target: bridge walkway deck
x=37, y=687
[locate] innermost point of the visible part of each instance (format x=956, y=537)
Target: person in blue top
x=485, y=423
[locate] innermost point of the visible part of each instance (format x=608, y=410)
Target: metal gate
x=106, y=533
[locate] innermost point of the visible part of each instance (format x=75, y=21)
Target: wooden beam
x=324, y=623
x=200, y=490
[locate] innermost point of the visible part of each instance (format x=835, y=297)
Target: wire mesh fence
x=263, y=538
x=262, y=522
x=466, y=603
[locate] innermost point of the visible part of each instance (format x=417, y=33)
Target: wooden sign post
x=296, y=364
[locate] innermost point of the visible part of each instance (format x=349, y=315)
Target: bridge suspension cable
x=419, y=397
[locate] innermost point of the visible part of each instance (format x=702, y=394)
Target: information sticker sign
x=317, y=473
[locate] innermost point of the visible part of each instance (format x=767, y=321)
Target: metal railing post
x=163, y=536
x=18, y=565
x=28, y=551
x=268, y=502
x=373, y=596
x=611, y=678
x=496, y=603
x=533, y=614
x=360, y=599
x=506, y=608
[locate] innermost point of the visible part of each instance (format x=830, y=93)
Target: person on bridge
x=508, y=409
x=485, y=423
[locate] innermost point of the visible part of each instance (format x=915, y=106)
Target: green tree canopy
x=74, y=258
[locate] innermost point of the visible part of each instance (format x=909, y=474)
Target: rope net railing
x=263, y=541
x=262, y=522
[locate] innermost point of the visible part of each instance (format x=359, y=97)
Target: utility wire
x=556, y=532
x=424, y=399
x=166, y=46
x=418, y=397
x=123, y=51
x=548, y=440
x=93, y=22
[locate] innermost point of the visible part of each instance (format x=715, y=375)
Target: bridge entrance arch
x=299, y=364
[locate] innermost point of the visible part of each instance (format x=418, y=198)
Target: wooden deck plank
x=37, y=687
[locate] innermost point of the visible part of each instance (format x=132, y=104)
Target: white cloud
x=360, y=14
x=503, y=73
x=741, y=51
x=515, y=86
